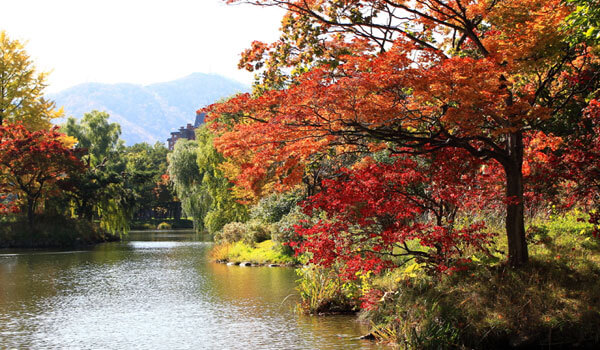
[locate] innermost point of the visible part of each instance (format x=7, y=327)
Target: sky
x=136, y=41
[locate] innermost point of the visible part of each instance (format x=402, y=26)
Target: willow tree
x=223, y=207
x=205, y=194
x=187, y=180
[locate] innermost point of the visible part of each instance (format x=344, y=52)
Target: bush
x=152, y=224
x=551, y=302
x=232, y=232
x=273, y=207
x=256, y=232
x=494, y=308
x=323, y=291
x=50, y=231
x=163, y=226
x=250, y=233
x=285, y=232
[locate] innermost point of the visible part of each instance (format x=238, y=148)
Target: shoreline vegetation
x=73, y=184
x=260, y=254
x=51, y=233
x=60, y=232
x=162, y=224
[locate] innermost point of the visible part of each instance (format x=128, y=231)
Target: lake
x=157, y=290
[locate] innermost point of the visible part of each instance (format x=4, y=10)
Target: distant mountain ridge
x=148, y=113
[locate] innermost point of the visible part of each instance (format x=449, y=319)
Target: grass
x=266, y=252
x=322, y=291
x=553, y=302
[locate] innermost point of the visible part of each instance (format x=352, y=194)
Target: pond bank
x=53, y=233
x=260, y=254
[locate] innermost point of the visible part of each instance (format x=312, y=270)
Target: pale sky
x=136, y=41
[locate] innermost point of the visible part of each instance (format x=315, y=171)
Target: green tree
x=99, y=138
x=187, y=180
x=145, y=166
x=22, y=88
x=103, y=192
x=223, y=207
x=205, y=193
x=584, y=22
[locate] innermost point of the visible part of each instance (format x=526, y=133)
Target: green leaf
x=590, y=32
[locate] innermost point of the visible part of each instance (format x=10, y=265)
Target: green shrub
x=273, y=207
x=257, y=231
x=231, y=232
x=152, y=224
x=50, y=231
x=285, y=226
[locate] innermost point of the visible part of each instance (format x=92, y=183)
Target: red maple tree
x=376, y=213
x=31, y=164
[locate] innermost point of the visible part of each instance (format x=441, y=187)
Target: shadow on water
x=156, y=290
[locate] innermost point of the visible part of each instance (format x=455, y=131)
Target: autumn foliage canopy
x=31, y=166
x=494, y=86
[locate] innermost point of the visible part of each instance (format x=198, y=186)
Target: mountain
x=148, y=113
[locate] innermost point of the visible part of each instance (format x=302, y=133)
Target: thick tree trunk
x=515, y=222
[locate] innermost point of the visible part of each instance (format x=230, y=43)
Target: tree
x=187, y=179
x=223, y=208
x=22, y=88
x=585, y=20
x=100, y=138
x=413, y=77
x=32, y=163
x=374, y=214
x=194, y=168
x=145, y=166
x=578, y=163
x=102, y=192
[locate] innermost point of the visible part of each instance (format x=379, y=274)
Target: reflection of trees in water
x=261, y=285
x=45, y=287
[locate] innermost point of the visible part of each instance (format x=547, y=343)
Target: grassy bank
x=553, y=302
x=266, y=252
x=51, y=232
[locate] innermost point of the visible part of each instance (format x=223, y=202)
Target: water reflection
x=156, y=290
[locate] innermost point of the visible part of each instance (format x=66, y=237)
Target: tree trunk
x=30, y=211
x=515, y=223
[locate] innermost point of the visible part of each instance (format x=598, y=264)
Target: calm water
x=156, y=291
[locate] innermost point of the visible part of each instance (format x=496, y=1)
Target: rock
x=232, y=263
x=245, y=263
x=273, y=265
x=369, y=336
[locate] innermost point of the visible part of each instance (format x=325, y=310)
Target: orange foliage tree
x=31, y=164
x=410, y=77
